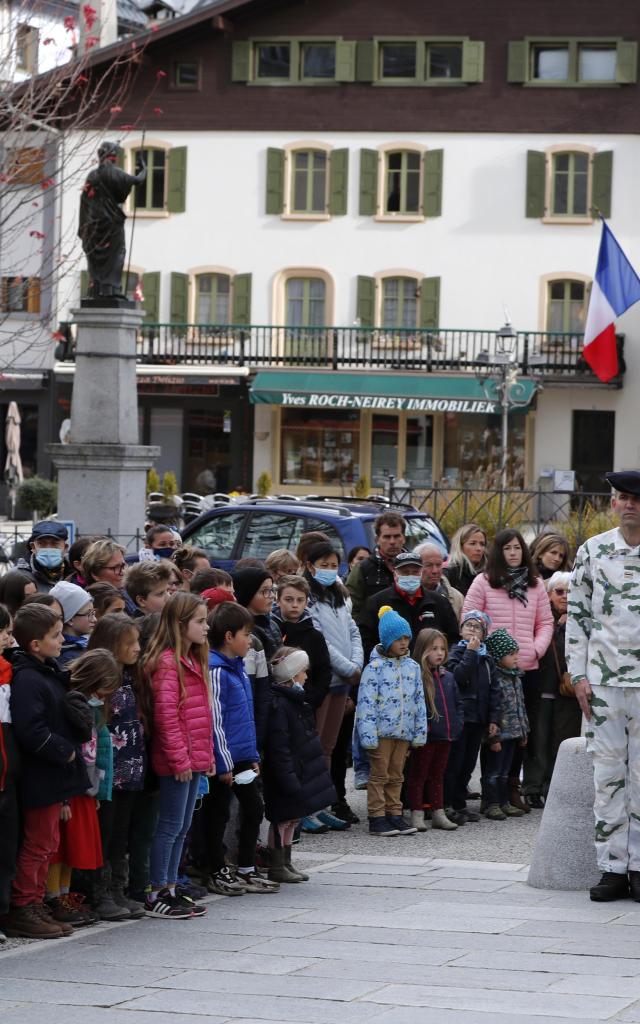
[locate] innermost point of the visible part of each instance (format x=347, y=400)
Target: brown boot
x=47, y=916
x=517, y=797
x=28, y=923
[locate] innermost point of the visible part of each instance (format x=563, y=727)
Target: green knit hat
x=500, y=643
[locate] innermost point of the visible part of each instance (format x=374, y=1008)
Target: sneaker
x=360, y=780
x=610, y=887
x=254, y=882
x=343, y=811
x=312, y=825
x=334, y=823
x=495, y=813
x=166, y=907
x=183, y=899
x=511, y=811
x=401, y=825
x=27, y=923
x=381, y=827
x=223, y=883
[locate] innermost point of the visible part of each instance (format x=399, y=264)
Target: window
x=25, y=166
x=186, y=75
x=419, y=451
x=213, y=295
x=397, y=60
x=444, y=61
x=402, y=182
x=570, y=180
x=422, y=61
x=384, y=449
x=317, y=61
x=308, y=181
x=566, y=306
x=305, y=302
x=473, y=454
x=20, y=294
x=574, y=62
x=569, y=185
x=27, y=38
x=301, y=61
x=165, y=187
x=151, y=194
x=320, y=447
x=273, y=60
x=399, y=302
x=218, y=536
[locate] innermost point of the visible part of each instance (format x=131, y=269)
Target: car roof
x=365, y=508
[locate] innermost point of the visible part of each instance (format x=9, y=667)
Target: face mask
x=163, y=552
x=50, y=558
x=298, y=687
x=95, y=702
x=326, y=576
x=409, y=584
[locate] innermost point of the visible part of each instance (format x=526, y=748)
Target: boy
x=298, y=630
x=79, y=619
x=52, y=766
x=391, y=717
x=206, y=579
x=147, y=584
x=514, y=727
x=236, y=752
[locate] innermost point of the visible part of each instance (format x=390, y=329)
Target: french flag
x=616, y=286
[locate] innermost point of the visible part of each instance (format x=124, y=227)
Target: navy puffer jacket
x=448, y=725
x=477, y=681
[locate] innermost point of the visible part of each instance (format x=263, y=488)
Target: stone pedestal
x=565, y=855
x=102, y=470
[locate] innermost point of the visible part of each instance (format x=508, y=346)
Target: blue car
x=254, y=528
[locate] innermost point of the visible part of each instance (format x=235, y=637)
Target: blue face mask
x=409, y=584
x=163, y=552
x=326, y=576
x=49, y=558
x=95, y=702
x=298, y=687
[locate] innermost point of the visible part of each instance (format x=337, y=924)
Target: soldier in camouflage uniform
x=603, y=657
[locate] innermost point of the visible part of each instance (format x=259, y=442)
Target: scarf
x=516, y=583
x=481, y=651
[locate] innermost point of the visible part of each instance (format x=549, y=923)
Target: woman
x=511, y=592
x=549, y=553
x=467, y=556
x=188, y=561
x=103, y=562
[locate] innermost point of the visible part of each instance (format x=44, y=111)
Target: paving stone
x=273, y=1008
x=479, y=871
x=430, y=1015
x=561, y=929
x=301, y=987
x=555, y=963
x=32, y=1013
x=454, y=940
x=587, y=914
x=413, y=881
x=375, y=951
x=448, y=975
x=439, y=862
x=469, y=884
x=96, y=973
x=67, y=992
x=597, y=985
x=364, y=867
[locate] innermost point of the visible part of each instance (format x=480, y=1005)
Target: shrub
x=153, y=482
x=264, y=484
x=38, y=495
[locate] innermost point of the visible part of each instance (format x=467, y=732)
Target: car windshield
x=419, y=529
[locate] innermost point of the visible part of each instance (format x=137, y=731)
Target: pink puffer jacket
x=531, y=624
x=182, y=729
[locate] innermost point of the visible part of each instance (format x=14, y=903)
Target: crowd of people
x=140, y=696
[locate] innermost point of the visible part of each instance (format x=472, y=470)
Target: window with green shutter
x=151, y=293
x=305, y=301
x=399, y=303
x=402, y=179
x=423, y=61
x=304, y=60
x=308, y=181
x=557, y=61
x=179, y=308
x=152, y=193
x=566, y=305
x=568, y=184
x=212, y=298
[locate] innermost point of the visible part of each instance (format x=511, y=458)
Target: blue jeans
x=495, y=774
x=177, y=801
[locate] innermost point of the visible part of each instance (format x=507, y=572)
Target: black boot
x=612, y=887
x=634, y=885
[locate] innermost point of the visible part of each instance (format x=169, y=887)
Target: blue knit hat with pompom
x=391, y=626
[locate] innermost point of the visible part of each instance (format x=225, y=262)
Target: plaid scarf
x=516, y=583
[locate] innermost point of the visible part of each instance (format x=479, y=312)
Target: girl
x=467, y=556
x=512, y=593
x=96, y=676
x=176, y=663
x=119, y=634
x=106, y=599
x=550, y=553
x=14, y=587
x=188, y=561
x=8, y=771
x=175, y=580
x=295, y=774
x=445, y=720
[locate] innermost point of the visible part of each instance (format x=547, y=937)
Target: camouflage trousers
x=613, y=737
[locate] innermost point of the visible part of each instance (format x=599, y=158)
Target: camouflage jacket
x=603, y=624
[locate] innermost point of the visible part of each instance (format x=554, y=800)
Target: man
x=47, y=549
x=423, y=609
x=433, y=579
x=603, y=657
x=374, y=574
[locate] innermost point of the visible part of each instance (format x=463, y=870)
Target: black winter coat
x=478, y=683
x=294, y=772
x=460, y=577
x=431, y=611
x=268, y=632
x=303, y=634
x=44, y=733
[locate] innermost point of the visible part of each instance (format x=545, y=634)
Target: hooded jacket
x=391, y=701
x=234, y=728
x=182, y=726
x=514, y=724
x=343, y=640
x=305, y=635
x=477, y=681
x=44, y=579
x=448, y=725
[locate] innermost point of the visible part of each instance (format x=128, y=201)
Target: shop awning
x=411, y=393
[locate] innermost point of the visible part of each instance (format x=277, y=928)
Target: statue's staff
x=133, y=220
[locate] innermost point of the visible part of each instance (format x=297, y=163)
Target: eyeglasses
x=473, y=626
x=86, y=615
x=267, y=592
x=119, y=568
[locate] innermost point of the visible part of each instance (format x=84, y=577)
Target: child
x=52, y=766
x=147, y=584
x=189, y=561
x=445, y=718
x=106, y=599
x=281, y=563
x=95, y=675
x=14, y=587
x=9, y=768
x=298, y=630
x=175, y=578
x=296, y=778
x=514, y=727
x=204, y=579
x=236, y=751
x=79, y=619
x=475, y=674
x=391, y=717
x=176, y=663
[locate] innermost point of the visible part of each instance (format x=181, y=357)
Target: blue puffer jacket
x=448, y=725
x=477, y=681
x=234, y=727
x=391, y=701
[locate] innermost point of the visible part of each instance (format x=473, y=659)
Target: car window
x=419, y=529
x=308, y=523
x=218, y=536
x=267, y=531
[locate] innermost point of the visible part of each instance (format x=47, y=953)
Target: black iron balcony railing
x=549, y=355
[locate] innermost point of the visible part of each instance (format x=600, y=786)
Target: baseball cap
x=407, y=558
x=49, y=528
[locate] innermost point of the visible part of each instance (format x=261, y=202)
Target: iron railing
x=544, y=354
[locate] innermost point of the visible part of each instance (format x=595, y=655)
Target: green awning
x=423, y=392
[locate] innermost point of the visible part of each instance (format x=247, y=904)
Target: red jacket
x=531, y=624
x=182, y=728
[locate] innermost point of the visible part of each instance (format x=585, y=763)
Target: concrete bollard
x=564, y=856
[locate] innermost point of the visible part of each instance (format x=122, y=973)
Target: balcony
x=553, y=358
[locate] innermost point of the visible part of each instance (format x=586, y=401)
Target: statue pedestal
x=102, y=470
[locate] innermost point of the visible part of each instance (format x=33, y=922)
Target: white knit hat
x=289, y=666
x=71, y=598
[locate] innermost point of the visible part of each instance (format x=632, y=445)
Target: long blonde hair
x=425, y=640
x=457, y=556
x=170, y=636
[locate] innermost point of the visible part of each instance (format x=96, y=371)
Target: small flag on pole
x=616, y=287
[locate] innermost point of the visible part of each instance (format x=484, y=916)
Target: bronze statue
x=101, y=227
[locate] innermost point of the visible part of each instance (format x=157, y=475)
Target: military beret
x=627, y=482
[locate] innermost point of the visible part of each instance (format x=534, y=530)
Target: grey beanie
x=71, y=597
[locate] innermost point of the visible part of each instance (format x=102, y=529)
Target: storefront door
x=592, y=448
x=208, y=460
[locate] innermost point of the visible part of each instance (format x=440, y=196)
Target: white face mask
x=409, y=584
x=298, y=687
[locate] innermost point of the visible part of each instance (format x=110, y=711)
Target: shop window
x=566, y=306
x=399, y=303
x=20, y=294
x=569, y=184
x=418, y=468
x=164, y=190
x=213, y=299
x=320, y=447
x=473, y=454
x=572, y=62
x=308, y=181
x=384, y=449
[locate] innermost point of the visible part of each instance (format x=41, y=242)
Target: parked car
x=256, y=526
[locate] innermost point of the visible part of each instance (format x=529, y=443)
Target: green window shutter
x=536, y=174
x=430, y=302
x=241, y=61
x=627, y=62
x=368, y=182
x=84, y=284
x=601, y=182
x=176, y=192
x=432, y=183
x=365, y=60
x=338, y=182
x=275, y=181
x=151, y=292
x=366, y=301
x=120, y=159
x=517, y=61
x=472, y=61
x=345, y=60
x=179, y=313
x=241, y=312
